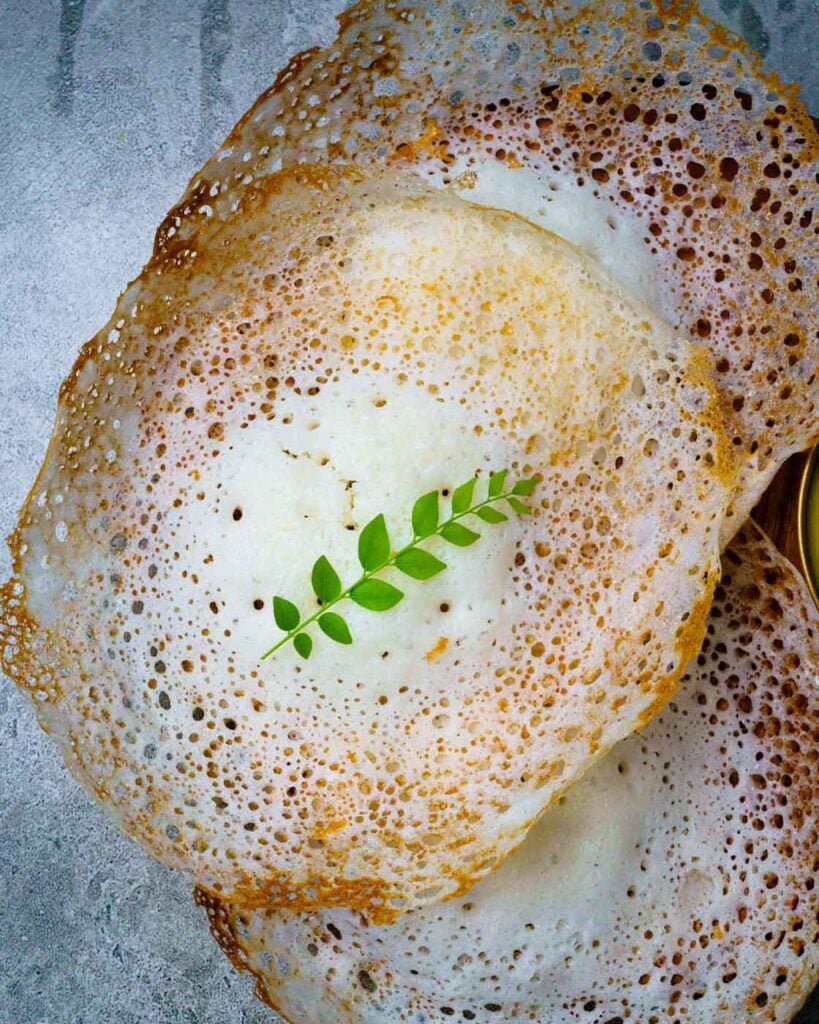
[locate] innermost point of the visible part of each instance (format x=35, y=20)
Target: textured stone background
x=106, y=109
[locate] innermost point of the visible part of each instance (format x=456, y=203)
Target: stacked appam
x=580, y=246
x=675, y=880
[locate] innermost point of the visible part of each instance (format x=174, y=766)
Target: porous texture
x=659, y=112
x=676, y=881
x=128, y=102
x=342, y=345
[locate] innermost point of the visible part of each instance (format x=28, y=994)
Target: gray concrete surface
x=106, y=108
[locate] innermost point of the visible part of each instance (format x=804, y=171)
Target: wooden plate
x=778, y=511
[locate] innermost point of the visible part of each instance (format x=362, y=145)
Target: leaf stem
x=386, y=564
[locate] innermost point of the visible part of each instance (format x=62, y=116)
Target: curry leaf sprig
x=375, y=554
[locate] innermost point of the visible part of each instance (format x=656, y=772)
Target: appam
x=346, y=343
x=676, y=881
x=638, y=123
x=641, y=120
